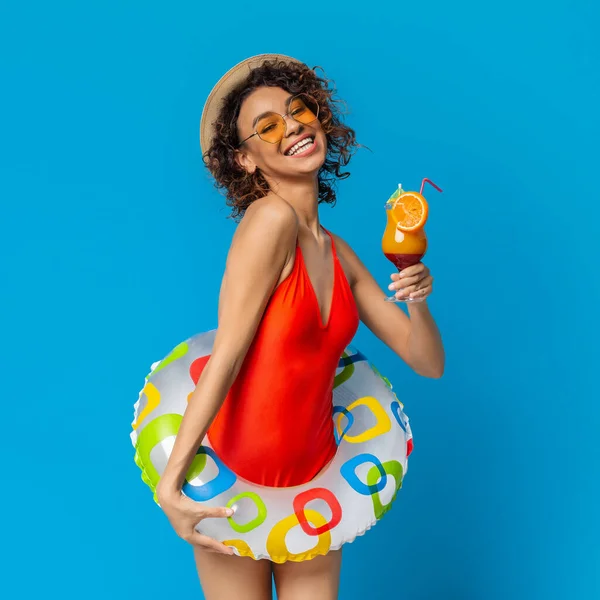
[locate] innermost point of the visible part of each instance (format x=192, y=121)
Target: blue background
x=113, y=245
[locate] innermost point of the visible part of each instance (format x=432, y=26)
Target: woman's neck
x=303, y=196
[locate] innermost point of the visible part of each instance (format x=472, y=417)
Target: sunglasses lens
x=304, y=109
x=271, y=128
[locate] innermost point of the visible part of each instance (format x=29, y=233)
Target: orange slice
x=410, y=211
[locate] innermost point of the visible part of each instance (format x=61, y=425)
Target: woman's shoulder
x=271, y=209
x=272, y=216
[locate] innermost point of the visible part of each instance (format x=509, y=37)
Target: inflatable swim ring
x=291, y=523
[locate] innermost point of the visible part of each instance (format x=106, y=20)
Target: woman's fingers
x=404, y=282
x=410, y=280
x=418, y=289
x=417, y=269
x=216, y=512
x=184, y=515
x=423, y=289
x=200, y=511
x=207, y=543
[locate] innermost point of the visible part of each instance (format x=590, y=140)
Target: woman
x=273, y=140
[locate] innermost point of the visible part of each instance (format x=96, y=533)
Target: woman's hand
x=414, y=282
x=184, y=514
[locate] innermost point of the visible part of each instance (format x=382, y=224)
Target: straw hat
x=230, y=80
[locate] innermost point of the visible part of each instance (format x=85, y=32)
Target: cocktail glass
x=404, y=242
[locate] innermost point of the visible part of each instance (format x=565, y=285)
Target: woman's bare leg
x=316, y=579
x=225, y=577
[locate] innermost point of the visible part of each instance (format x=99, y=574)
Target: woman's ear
x=245, y=162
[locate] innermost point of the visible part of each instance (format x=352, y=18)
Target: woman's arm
x=416, y=339
x=263, y=245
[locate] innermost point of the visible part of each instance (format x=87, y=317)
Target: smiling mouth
x=301, y=147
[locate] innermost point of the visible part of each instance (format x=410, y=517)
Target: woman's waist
x=301, y=406
x=281, y=380
x=274, y=454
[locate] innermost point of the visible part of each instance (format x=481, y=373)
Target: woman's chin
x=310, y=165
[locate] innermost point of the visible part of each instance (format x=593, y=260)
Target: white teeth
x=296, y=147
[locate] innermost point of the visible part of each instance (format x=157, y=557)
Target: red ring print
x=197, y=367
x=303, y=498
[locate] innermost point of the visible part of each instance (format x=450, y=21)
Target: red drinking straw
x=431, y=183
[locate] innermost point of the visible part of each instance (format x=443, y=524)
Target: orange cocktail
x=404, y=241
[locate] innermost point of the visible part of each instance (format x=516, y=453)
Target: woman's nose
x=291, y=126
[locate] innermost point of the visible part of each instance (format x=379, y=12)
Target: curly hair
x=242, y=188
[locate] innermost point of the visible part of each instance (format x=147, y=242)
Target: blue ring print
x=348, y=414
x=348, y=472
x=348, y=360
x=221, y=483
x=395, y=408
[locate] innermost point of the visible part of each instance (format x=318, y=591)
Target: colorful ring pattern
x=149, y=433
x=260, y=518
x=303, y=498
x=276, y=544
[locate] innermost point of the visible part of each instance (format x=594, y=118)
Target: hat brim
x=228, y=82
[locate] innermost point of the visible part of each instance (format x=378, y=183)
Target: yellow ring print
x=383, y=424
x=241, y=546
x=277, y=548
x=153, y=396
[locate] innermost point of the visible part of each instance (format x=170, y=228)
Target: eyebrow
x=270, y=112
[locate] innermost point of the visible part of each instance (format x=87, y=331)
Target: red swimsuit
x=275, y=427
